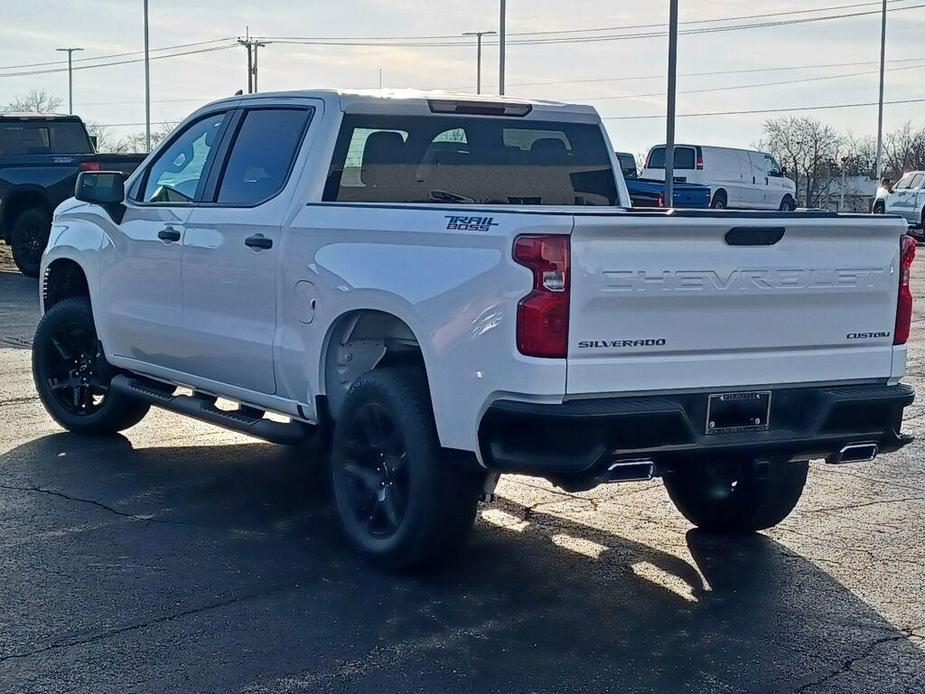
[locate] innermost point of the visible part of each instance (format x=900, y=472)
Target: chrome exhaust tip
x=856, y=453
x=630, y=471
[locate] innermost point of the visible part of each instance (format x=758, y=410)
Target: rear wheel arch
x=361, y=341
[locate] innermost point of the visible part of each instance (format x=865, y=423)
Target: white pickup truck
x=447, y=288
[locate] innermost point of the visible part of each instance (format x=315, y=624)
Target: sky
x=624, y=79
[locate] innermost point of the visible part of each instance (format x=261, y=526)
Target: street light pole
x=478, y=60
x=880, y=103
x=502, y=32
x=147, y=84
x=672, y=89
x=70, y=77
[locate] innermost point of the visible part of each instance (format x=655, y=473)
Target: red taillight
x=699, y=164
x=89, y=166
x=542, y=315
x=904, y=302
x=661, y=200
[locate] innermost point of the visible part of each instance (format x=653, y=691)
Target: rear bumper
x=580, y=438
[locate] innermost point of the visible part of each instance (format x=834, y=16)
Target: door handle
x=259, y=242
x=169, y=235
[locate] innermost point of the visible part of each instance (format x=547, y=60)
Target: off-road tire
x=28, y=238
x=65, y=341
x=736, y=496
x=439, y=491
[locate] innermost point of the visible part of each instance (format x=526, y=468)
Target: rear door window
x=262, y=155
x=474, y=160
x=917, y=181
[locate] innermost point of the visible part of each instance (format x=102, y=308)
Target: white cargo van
x=738, y=178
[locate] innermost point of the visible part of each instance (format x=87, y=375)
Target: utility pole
x=880, y=103
x=257, y=45
x=502, y=33
x=251, y=45
x=478, y=60
x=147, y=84
x=70, y=77
x=672, y=90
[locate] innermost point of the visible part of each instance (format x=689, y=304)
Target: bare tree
x=36, y=101
x=810, y=150
x=904, y=150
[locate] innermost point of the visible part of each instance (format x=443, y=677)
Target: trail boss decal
x=621, y=344
x=456, y=223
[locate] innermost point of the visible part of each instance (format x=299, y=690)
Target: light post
x=147, y=84
x=880, y=103
x=478, y=60
x=672, y=89
x=502, y=31
x=70, y=77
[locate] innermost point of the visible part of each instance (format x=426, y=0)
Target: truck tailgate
x=661, y=302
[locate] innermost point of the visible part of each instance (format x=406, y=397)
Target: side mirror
x=104, y=188
x=100, y=187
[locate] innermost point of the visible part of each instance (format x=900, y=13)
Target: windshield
x=450, y=159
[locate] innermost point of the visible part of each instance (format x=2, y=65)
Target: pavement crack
x=865, y=504
x=68, y=497
x=848, y=664
x=109, y=633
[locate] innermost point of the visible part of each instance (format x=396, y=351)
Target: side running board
x=245, y=420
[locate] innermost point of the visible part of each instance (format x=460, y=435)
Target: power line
x=712, y=73
x=438, y=37
x=119, y=62
x=116, y=55
x=385, y=42
x=758, y=84
x=827, y=107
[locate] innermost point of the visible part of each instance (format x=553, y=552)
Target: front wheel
x=787, y=204
x=736, y=496
x=72, y=377
x=401, y=499
x=28, y=238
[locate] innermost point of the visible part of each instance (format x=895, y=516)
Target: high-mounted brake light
x=478, y=108
x=89, y=166
x=542, y=315
x=904, y=301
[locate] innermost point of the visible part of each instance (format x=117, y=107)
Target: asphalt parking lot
x=182, y=558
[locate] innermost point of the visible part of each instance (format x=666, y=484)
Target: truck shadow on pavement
x=220, y=568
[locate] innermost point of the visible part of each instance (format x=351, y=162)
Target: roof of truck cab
x=411, y=101
x=34, y=115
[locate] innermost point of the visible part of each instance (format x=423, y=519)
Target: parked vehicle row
x=40, y=157
x=454, y=287
x=651, y=193
x=906, y=199
x=738, y=178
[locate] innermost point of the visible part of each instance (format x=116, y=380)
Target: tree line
x=816, y=156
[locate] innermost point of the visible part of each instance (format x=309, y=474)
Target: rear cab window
x=44, y=137
x=474, y=160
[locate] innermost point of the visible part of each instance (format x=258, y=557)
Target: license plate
x=728, y=413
